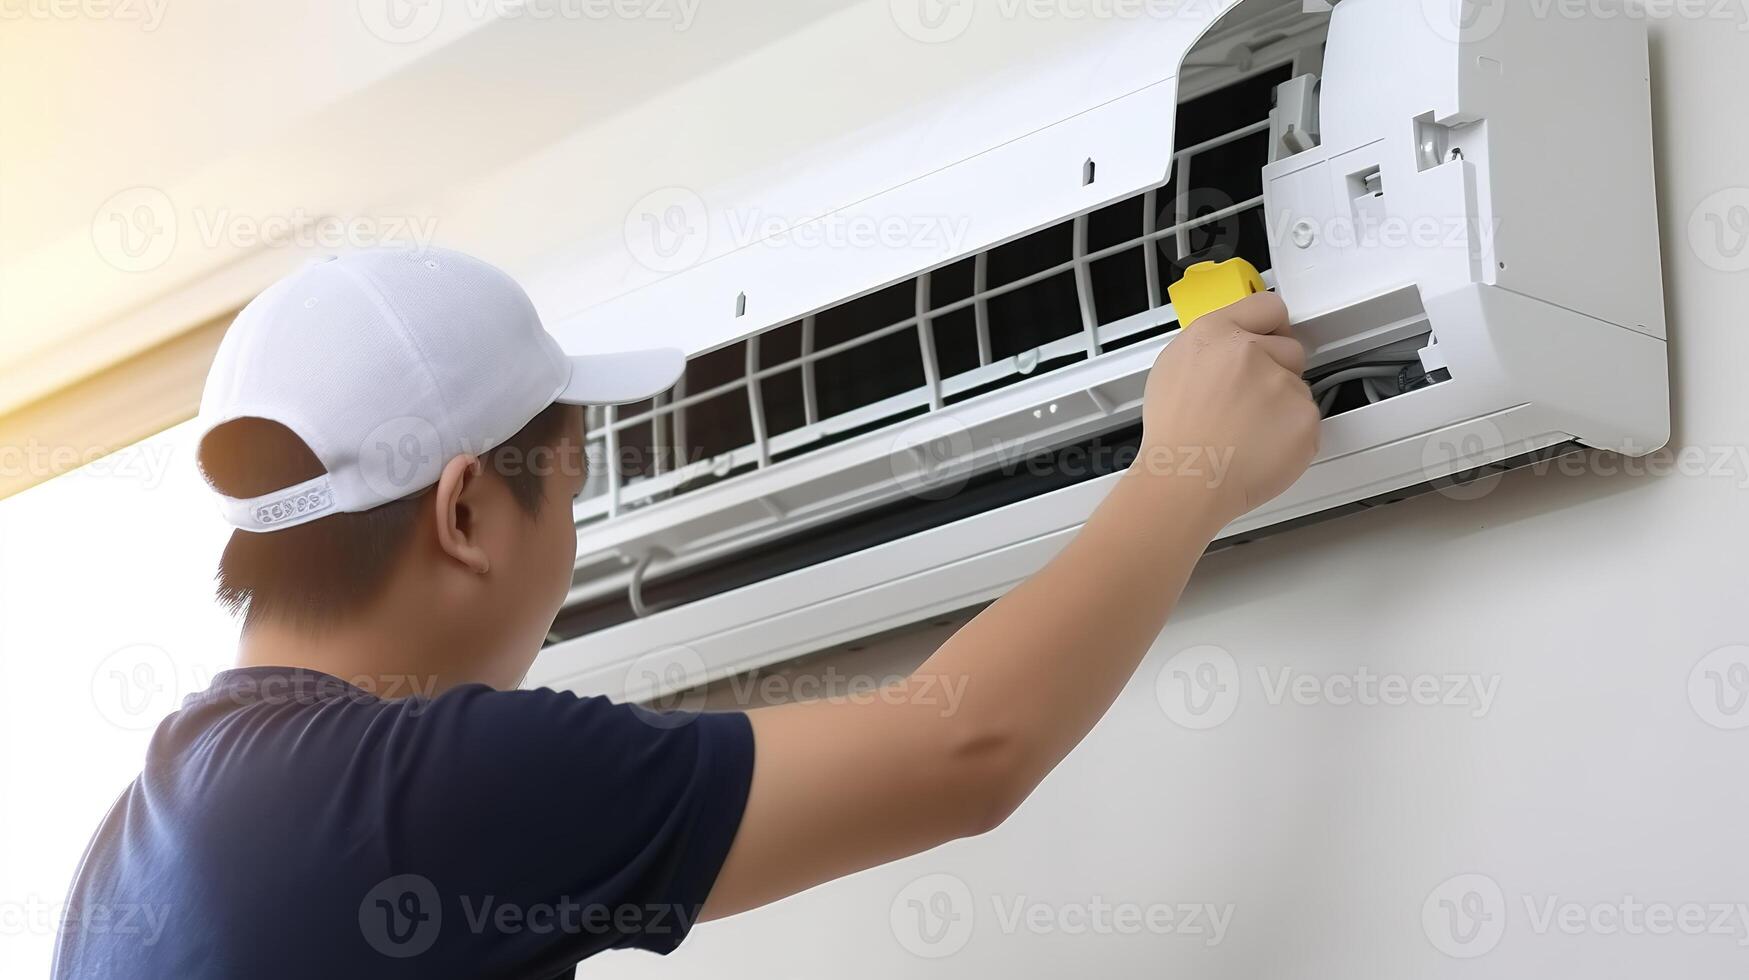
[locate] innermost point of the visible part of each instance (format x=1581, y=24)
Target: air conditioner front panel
x=1002, y=161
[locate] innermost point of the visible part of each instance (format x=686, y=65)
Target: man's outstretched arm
x=841, y=786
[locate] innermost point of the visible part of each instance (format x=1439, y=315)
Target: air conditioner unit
x=1455, y=200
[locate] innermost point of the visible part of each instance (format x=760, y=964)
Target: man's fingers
x=1263, y=313
x=1286, y=351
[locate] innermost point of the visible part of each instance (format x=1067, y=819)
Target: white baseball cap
x=388, y=364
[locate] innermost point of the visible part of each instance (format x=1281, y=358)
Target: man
x=396, y=440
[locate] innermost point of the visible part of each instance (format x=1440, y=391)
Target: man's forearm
x=842, y=784
x=1043, y=664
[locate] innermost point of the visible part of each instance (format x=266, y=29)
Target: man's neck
x=391, y=662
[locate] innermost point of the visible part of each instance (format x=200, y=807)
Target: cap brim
x=616, y=379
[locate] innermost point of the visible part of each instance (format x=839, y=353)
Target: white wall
x=1593, y=778
x=106, y=623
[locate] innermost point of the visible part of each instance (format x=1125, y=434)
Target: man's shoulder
x=258, y=737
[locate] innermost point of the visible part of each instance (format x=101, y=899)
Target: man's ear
x=457, y=529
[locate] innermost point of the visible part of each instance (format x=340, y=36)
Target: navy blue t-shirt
x=288, y=824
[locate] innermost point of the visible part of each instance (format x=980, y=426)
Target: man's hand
x=1230, y=386
x=838, y=787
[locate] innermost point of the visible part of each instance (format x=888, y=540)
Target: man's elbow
x=988, y=765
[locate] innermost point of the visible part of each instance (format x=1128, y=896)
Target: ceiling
x=224, y=123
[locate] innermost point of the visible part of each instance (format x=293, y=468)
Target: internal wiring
x=1378, y=381
x=1377, y=390
x=1355, y=374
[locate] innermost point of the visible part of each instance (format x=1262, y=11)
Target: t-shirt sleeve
x=556, y=826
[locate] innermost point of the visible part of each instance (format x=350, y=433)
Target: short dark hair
x=318, y=572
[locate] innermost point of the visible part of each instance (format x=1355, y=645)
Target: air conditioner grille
x=1062, y=294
